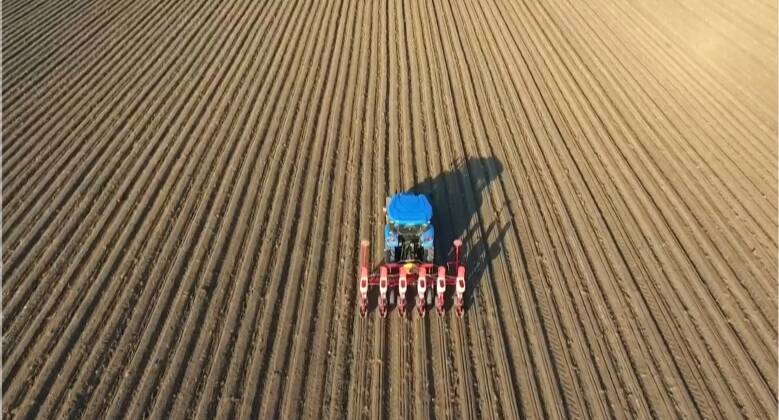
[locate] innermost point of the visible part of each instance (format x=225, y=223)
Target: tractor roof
x=409, y=209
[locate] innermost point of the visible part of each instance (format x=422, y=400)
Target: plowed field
x=185, y=185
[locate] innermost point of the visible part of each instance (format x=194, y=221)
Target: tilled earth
x=185, y=185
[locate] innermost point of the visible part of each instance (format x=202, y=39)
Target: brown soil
x=185, y=185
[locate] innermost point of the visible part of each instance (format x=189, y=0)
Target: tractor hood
x=409, y=209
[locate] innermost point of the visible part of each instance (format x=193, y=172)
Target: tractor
x=409, y=256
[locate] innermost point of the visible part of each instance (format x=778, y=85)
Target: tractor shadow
x=457, y=195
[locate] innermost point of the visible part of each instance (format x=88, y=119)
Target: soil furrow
x=59, y=97
x=104, y=220
x=186, y=186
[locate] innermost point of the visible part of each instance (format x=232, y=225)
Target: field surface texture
x=185, y=185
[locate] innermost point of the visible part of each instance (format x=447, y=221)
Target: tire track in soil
x=398, y=136
x=441, y=382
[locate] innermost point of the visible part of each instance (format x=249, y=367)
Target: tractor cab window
x=411, y=230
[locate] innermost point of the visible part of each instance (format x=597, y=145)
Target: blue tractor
x=408, y=260
x=408, y=233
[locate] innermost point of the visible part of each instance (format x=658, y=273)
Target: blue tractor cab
x=408, y=233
